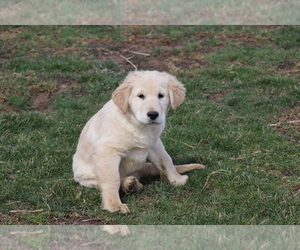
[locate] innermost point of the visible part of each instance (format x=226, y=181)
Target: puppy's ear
x=176, y=91
x=121, y=94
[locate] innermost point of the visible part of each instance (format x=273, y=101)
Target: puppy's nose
x=152, y=115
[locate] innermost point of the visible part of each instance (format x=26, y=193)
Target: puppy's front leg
x=164, y=164
x=107, y=171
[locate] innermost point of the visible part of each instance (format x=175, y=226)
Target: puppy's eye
x=141, y=96
x=160, y=96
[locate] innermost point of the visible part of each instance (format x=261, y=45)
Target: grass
x=241, y=80
x=151, y=12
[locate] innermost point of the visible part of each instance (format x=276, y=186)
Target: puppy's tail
x=188, y=167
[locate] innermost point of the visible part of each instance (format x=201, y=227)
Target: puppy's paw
x=130, y=184
x=179, y=180
x=123, y=208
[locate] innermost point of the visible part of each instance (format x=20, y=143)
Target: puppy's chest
x=133, y=159
x=136, y=154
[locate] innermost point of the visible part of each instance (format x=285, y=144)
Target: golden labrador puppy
x=116, y=142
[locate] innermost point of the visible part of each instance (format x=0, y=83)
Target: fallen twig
x=275, y=124
x=26, y=211
x=296, y=121
x=139, y=53
x=118, y=54
x=107, y=50
x=127, y=60
x=92, y=219
x=279, y=123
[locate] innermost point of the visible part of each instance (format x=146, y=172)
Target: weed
x=156, y=51
x=175, y=51
x=192, y=45
x=213, y=41
x=18, y=101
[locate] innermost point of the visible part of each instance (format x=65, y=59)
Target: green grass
x=252, y=174
x=151, y=12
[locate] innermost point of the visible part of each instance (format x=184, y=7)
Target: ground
x=159, y=52
x=178, y=51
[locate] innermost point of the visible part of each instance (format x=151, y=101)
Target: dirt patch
x=288, y=67
x=65, y=85
x=296, y=190
x=11, y=33
x=289, y=120
x=40, y=101
x=289, y=172
x=6, y=107
x=146, y=52
x=218, y=97
x=10, y=220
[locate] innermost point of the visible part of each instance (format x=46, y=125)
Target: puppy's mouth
x=154, y=122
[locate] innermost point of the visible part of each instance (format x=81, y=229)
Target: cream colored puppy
x=116, y=142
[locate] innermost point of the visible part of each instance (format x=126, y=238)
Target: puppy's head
x=148, y=95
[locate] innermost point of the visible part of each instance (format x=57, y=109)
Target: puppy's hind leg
x=131, y=183
x=148, y=170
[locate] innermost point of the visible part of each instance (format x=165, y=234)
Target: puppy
x=116, y=142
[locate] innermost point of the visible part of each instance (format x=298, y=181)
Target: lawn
x=154, y=12
x=241, y=118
